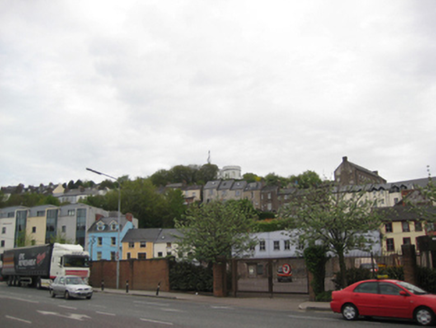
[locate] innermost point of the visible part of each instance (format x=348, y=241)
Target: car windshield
x=75, y=281
x=412, y=288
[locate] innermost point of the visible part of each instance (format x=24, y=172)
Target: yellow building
x=139, y=244
x=401, y=226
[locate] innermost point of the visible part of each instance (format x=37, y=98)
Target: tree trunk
x=343, y=269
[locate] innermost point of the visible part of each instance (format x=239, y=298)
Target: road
x=28, y=307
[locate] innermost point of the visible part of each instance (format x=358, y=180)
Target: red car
x=385, y=298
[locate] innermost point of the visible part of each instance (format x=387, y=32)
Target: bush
x=315, y=257
x=189, y=277
x=324, y=296
x=351, y=276
x=427, y=279
x=392, y=272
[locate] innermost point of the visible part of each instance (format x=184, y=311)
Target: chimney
x=129, y=217
x=98, y=217
x=345, y=159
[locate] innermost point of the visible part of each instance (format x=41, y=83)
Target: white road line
x=311, y=318
x=19, y=299
x=150, y=303
x=105, y=313
x=18, y=319
x=171, y=310
x=155, y=321
x=67, y=307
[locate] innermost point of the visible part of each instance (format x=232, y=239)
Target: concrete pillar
x=219, y=279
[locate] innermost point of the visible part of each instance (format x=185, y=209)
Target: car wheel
x=67, y=295
x=52, y=293
x=349, y=312
x=424, y=316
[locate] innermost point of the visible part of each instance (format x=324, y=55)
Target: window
x=2, y=243
x=64, y=229
x=276, y=245
x=71, y=212
x=113, y=241
x=113, y=226
x=406, y=241
x=99, y=241
x=3, y=230
x=389, y=289
x=142, y=256
x=131, y=244
x=159, y=254
x=143, y=244
x=390, y=245
x=112, y=256
x=262, y=245
x=98, y=256
x=287, y=245
x=418, y=226
x=388, y=227
x=367, y=288
x=406, y=227
x=128, y=256
x=40, y=213
x=169, y=253
x=168, y=245
x=33, y=229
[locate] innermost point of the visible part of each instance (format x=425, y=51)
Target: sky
x=132, y=87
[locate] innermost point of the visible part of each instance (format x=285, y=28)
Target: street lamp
x=119, y=213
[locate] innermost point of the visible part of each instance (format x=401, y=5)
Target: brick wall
x=141, y=274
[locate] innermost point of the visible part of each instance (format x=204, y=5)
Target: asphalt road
x=28, y=307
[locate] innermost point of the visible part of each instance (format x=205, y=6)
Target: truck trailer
x=39, y=265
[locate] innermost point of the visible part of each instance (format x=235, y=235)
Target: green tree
x=184, y=174
x=339, y=220
x=212, y=231
x=251, y=177
x=161, y=178
x=208, y=172
x=272, y=179
x=174, y=207
x=305, y=180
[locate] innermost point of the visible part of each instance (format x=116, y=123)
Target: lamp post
x=119, y=219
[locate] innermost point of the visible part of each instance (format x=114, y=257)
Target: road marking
x=70, y=316
x=18, y=319
x=155, y=321
x=171, y=310
x=105, y=313
x=151, y=303
x=19, y=299
x=221, y=307
x=67, y=307
x=311, y=318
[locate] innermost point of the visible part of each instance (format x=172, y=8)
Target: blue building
x=103, y=236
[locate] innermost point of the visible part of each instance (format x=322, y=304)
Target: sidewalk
x=282, y=303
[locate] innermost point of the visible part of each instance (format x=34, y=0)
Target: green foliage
x=24, y=239
x=307, y=179
x=393, y=272
x=251, y=177
x=189, y=175
x=189, y=277
x=427, y=279
x=60, y=238
x=30, y=200
x=352, y=275
x=211, y=231
x=315, y=258
x=324, y=296
x=268, y=226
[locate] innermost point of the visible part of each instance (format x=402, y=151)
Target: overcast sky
x=131, y=87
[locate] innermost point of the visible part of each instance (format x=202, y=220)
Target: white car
x=70, y=287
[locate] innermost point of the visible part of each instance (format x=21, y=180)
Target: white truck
x=39, y=265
